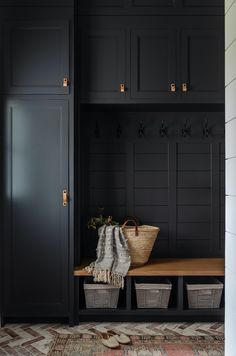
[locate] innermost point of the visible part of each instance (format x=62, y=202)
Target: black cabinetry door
x=153, y=63
x=36, y=222
x=202, y=63
x=103, y=63
x=36, y=57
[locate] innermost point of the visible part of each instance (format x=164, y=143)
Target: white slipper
x=110, y=342
x=107, y=339
x=120, y=337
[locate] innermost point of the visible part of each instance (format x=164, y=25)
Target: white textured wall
x=230, y=126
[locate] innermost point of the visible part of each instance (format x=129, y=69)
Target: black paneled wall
x=175, y=182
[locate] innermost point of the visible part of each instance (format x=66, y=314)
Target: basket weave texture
x=140, y=240
x=100, y=295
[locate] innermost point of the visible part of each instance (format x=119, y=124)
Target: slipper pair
x=111, y=338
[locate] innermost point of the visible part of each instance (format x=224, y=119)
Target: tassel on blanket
x=117, y=280
x=106, y=276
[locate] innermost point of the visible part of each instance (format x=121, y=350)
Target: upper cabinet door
x=37, y=57
x=202, y=63
x=153, y=63
x=103, y=64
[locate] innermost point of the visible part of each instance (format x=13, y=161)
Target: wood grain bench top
x=172, y=267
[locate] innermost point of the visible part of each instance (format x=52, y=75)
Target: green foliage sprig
x=96, y=221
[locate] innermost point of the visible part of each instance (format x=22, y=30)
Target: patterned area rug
x=87, y=345
x=36, y=339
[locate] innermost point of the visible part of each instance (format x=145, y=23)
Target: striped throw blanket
x=113, y=259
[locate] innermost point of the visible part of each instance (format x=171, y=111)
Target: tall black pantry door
x=36, y=169
x=38, y=162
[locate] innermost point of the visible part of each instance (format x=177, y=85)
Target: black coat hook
x=163, y=130
x=186, y=130
x=205, y=129
x=97, y=130
x=118, y=131
x=141, y=130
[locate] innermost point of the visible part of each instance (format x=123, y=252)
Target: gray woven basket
x=204, y=293
x=99, y=295
x=153, y=295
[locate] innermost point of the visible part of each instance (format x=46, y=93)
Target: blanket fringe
x=106, y=276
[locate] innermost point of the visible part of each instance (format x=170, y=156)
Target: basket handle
x=132, y=217
x=134, y=222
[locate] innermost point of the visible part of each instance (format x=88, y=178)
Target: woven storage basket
x=140, y=240
x=204, y=293
x=99, y=295
x=153, y=293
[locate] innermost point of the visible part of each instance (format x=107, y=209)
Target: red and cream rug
x=78, y=345
x=148, y=339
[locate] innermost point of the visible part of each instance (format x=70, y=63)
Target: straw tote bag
x=141, y=239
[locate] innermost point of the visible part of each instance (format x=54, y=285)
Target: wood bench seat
x=172, y=267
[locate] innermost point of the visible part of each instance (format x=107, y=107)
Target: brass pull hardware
x=184, y=87
x=173, y=87
x=122, y=87
x=65, y=82
x=65, y=197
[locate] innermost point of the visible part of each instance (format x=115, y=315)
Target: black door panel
x=202, y=63
x=153, y=63
x=36, y=234
x=103, y=62
x=36, y=57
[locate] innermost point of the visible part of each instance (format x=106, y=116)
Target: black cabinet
x=172, y=59
x=128, y=51
x=153, y=63
x=36, y=57
x=103, y=62
x=202, y=63
x=36, y=222
x=37, y=146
